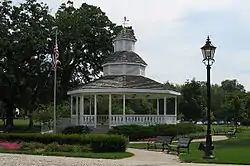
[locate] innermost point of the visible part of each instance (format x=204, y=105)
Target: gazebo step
x=100, y=129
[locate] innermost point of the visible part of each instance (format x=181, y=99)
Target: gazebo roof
x=125, y=57
x=126, y=33
x=123, y=83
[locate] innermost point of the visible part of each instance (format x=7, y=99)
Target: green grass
x=140, y=146
x=114, y=155
x=20, y=122
x=233, y=150
x=22, y=126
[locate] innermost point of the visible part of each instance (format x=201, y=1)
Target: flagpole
x=55, y=68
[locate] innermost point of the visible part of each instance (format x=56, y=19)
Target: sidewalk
x=214, y=138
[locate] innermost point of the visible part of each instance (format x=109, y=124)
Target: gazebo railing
x=126, y=119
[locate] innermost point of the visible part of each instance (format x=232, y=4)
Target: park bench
x=232, y=132
x=219, y=131
x=182, y=142
x=164, y=141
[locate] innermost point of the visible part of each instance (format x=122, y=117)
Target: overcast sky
x=171, y=32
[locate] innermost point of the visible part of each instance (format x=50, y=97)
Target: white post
x=157, y=107
x=124, y=108
x=95, y=111
x=110, y=111
x=71, y=106
x=81, y=109
x=165, y=109
x=55, y=56
x=71, y=109
x=77, y=105
x=175, y=108
x=90, y=105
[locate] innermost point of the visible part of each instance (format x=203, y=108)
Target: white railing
x=142, y=119
x=123, y=120
x=87, y=120
x=102, y=119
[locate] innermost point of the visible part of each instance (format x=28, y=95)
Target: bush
x=137, y=132
x=32, y=146
x=98, y=142
x=134, y=132
x=76, y=130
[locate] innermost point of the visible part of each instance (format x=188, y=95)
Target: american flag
x=55, y=57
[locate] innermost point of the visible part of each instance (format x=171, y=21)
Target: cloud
x=171, y=32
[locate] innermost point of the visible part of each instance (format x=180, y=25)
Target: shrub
x=136, y=132
x=32, y=146
x=98, y=142
x=76, y=130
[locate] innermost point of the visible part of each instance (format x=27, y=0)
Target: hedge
x=97, y=142
x=76, y=130
x=137, y=132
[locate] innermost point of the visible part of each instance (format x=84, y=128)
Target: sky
x=171, y=32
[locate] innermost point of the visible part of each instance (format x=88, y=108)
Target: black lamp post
x=208, y=51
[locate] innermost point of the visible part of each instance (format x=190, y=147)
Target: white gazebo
x=123, y=79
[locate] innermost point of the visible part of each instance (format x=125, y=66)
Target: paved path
x=141, y=158
x=214, y=138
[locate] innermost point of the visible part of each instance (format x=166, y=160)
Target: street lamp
x=208, y=51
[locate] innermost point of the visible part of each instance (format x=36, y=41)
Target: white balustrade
x=102, y=119
x=129, y=119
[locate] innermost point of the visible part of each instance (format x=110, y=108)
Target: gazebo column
x=110, y=111
x=157, y=107
x=95, y=111
x=175, y=108
x=165, y=109
x=124, y=108
x=90, y=105
x=77, y=107
x=71, y=106
x=81, y=109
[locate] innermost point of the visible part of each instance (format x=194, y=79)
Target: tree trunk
x=31, y=122
x=9, y=115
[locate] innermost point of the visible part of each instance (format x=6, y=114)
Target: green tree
x=232, y=86
x=192, y=103
x=26, y=42
x=234, y=107
x=85, y=39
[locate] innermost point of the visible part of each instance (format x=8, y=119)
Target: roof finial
x=208, y=38
x=125, y=22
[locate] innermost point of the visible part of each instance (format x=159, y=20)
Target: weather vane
x=125, y=22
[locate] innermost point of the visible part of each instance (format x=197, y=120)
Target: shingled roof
x=123, y=81
x=126, y=33
x=123, y=57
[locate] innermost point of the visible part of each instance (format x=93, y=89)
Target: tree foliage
x=27, y=35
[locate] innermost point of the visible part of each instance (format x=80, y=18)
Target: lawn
x=232, y=151
x=22, y=126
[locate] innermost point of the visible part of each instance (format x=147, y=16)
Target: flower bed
x=97, y=142
x=9, y=145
